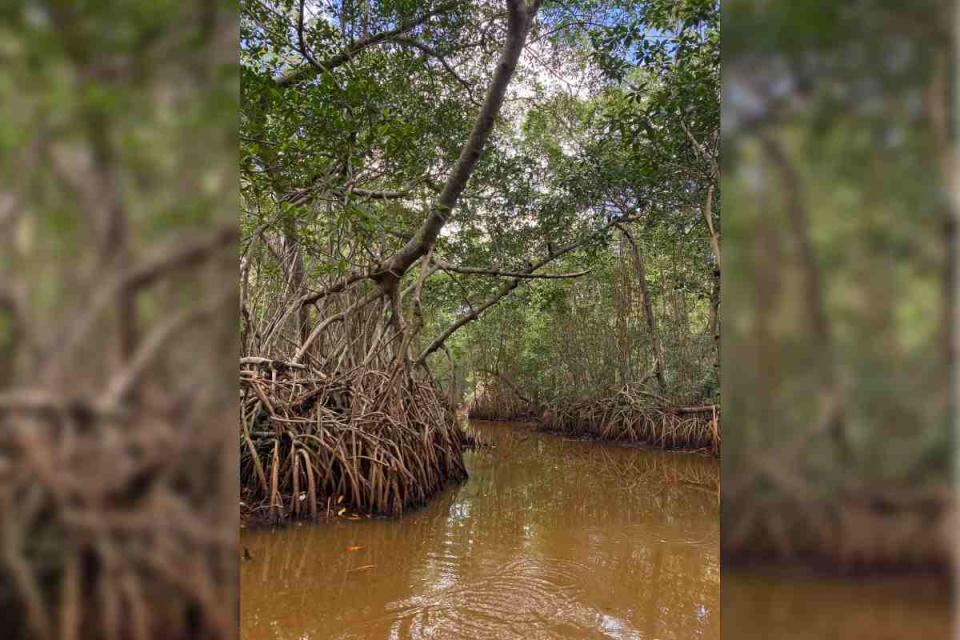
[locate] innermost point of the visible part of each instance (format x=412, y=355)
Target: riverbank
x=628, y=416
x=857, y=534
x=619, y=419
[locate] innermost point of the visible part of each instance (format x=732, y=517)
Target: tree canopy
x=359, y=132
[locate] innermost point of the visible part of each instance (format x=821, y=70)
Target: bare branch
x=468, y=318
x=326, y=323
x=338, y=287
x=302, y=42
x=378, y=195
x=276, y=364
x=708, y=216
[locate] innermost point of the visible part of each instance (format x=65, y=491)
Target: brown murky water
x=549, y=538
x=759, y=606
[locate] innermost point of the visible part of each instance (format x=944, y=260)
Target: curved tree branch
x=433, y=53
x=504, y=291
x=389, y=272
x=519, y=20
x=308, y=71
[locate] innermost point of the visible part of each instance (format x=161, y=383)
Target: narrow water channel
x=549, y=538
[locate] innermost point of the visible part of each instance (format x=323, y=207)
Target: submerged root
x=369, y=441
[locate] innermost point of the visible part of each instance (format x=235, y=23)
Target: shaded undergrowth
x=367, y=441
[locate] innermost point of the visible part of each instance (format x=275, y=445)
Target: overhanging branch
x=314, y=66
x=504, y=291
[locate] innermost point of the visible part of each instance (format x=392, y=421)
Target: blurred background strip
x=118, y=331
x=839, y=318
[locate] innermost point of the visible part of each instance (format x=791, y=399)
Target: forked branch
x=313, y=67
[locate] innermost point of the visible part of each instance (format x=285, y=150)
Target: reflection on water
x=549, y=538
x=758, y=607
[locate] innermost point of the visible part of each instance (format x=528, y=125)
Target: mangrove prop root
x=115, y=527
x=859, y=532
x=502, y=406
x=371, y=440
x=628, y=416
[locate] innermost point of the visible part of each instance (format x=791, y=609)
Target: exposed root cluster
x=490, y=406
x=854, y=533
x=114, y=527
x=368, y=441
x=620, y=418
x=628, y=416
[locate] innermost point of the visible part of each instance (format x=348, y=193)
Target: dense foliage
x=612, y=117
x=118, y=254
x=839, y=288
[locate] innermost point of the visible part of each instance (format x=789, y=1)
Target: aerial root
x=631, y=415
x=369, y=441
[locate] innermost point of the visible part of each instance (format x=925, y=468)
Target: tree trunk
x=651, y=319
x=520, y=19
x=799, y=222
x=715, y=311
x=296, y=276
x=388, y=273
